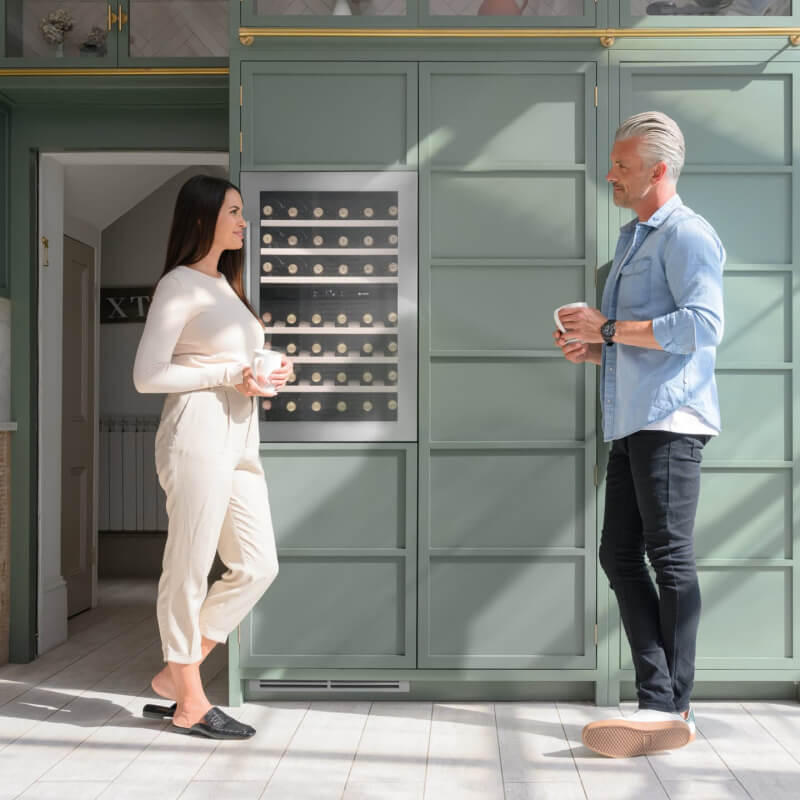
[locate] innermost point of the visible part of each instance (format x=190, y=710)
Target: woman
x=197, y=347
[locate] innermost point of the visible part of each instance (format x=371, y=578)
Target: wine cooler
x=332, y=271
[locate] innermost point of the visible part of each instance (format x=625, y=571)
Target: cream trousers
x=208, y=465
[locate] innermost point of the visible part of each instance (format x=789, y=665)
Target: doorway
x=103, y=222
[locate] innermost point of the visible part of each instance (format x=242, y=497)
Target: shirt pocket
x=635, y=280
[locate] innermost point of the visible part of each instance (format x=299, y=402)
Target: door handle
x=122, y=16
x=112, y=17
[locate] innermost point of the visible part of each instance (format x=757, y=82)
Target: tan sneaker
x=644, y=732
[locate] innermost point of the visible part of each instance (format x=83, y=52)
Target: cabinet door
x=193, y=32
x=70, y=33
x=507, y=438
x=329, y=116
x=345, y=524
x=743, y=179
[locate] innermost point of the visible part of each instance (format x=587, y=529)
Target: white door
x=77, y=429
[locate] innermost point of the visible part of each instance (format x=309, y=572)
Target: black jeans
x=652, y=488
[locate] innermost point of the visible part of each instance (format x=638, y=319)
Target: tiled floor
x=70, y=729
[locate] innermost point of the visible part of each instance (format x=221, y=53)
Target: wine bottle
x=291, y=406
x=367, y=348
x=367, y=406
x=392, y=347
x=318, y=240
x=341, y=349
x=316, y=319
x=292, y=240
x=343, y=213
x=343, y=241
x=391, y=376
x=316, y=406
x=267, y=238
x=343, y=269
x=368, y=241
x=316, y=377
x=267, y=317
x=341, y=377
x=316, y=348
x=366, y=319
x=291, y=319
x=291, y=348
x=392, y=405
x=391, y=318
x=267, y=266
x=318, y=212
x=293, y=269
x=392, y=267
x=369, y=212
x=369, y=269
x=366, y=377
x=341, y=319
x=318, y=269
x=341, y=406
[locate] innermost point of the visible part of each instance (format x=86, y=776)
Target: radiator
x=131, y=498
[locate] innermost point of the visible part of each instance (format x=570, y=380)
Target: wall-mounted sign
x=123, y=304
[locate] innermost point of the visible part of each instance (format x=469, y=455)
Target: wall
x=133, y=250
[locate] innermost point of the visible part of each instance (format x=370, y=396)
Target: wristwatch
x=607, y=331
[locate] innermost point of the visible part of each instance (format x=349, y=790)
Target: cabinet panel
x=499, y=308
x=488, y=499
x=750, y=434
x=744, y=514
x=731, y=203
x=508, y=216
x=525, y=612
x=328, y=115
x=500, y=136
x=758, y=324
x=496, y=400
x=341, y=481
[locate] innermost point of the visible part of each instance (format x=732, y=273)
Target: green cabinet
x=743, y=178
x=345, y=525
x=507, y=434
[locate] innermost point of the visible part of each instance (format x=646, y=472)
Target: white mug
x=558, y=321
x=265, y=362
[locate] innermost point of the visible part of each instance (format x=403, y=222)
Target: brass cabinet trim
x=606, y=36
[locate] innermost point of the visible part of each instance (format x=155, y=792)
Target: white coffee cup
x=558, y=321
x=265, y=362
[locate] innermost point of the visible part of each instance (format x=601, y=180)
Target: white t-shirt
x=683, y=420
x=198, y=335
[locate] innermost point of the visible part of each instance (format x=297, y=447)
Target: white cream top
x=198, y=335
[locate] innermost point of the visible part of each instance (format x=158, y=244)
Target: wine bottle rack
x=333, y=257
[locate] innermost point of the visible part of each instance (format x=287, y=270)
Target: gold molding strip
x=116, y=71
x=606, y=36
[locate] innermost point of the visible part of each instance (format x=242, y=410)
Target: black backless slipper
x=216, y=724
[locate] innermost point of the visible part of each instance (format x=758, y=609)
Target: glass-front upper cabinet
x=510, y=13
x=121, y=32
x=424, y=13
x=707, y=13
x=329, y=13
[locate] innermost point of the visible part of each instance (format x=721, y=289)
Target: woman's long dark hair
x=199, y=201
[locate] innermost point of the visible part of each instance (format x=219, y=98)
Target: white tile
x=223, y=790
x=464, y=752
x=781, y=720
x=71, y=790
x=697, y=761
x=394, y=744
x=705, y=790
x=255, y=759
x=321, y=751
x=545, y=791
x=383, y=790
x=533, y=745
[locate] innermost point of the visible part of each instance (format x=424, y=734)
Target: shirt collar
x=658, y=217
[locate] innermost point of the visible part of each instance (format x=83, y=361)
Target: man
x=655, y=339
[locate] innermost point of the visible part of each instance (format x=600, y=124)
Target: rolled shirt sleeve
x=693, y=264
x=154, y=371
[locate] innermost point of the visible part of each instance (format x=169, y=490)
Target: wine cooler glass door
x=333, y=274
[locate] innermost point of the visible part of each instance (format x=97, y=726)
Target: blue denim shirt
x=667, y=269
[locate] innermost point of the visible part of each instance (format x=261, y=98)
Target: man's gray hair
x=661, y=137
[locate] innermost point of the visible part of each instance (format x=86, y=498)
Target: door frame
x=54, y=224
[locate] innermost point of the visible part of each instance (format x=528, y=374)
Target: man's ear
x=659, y=172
